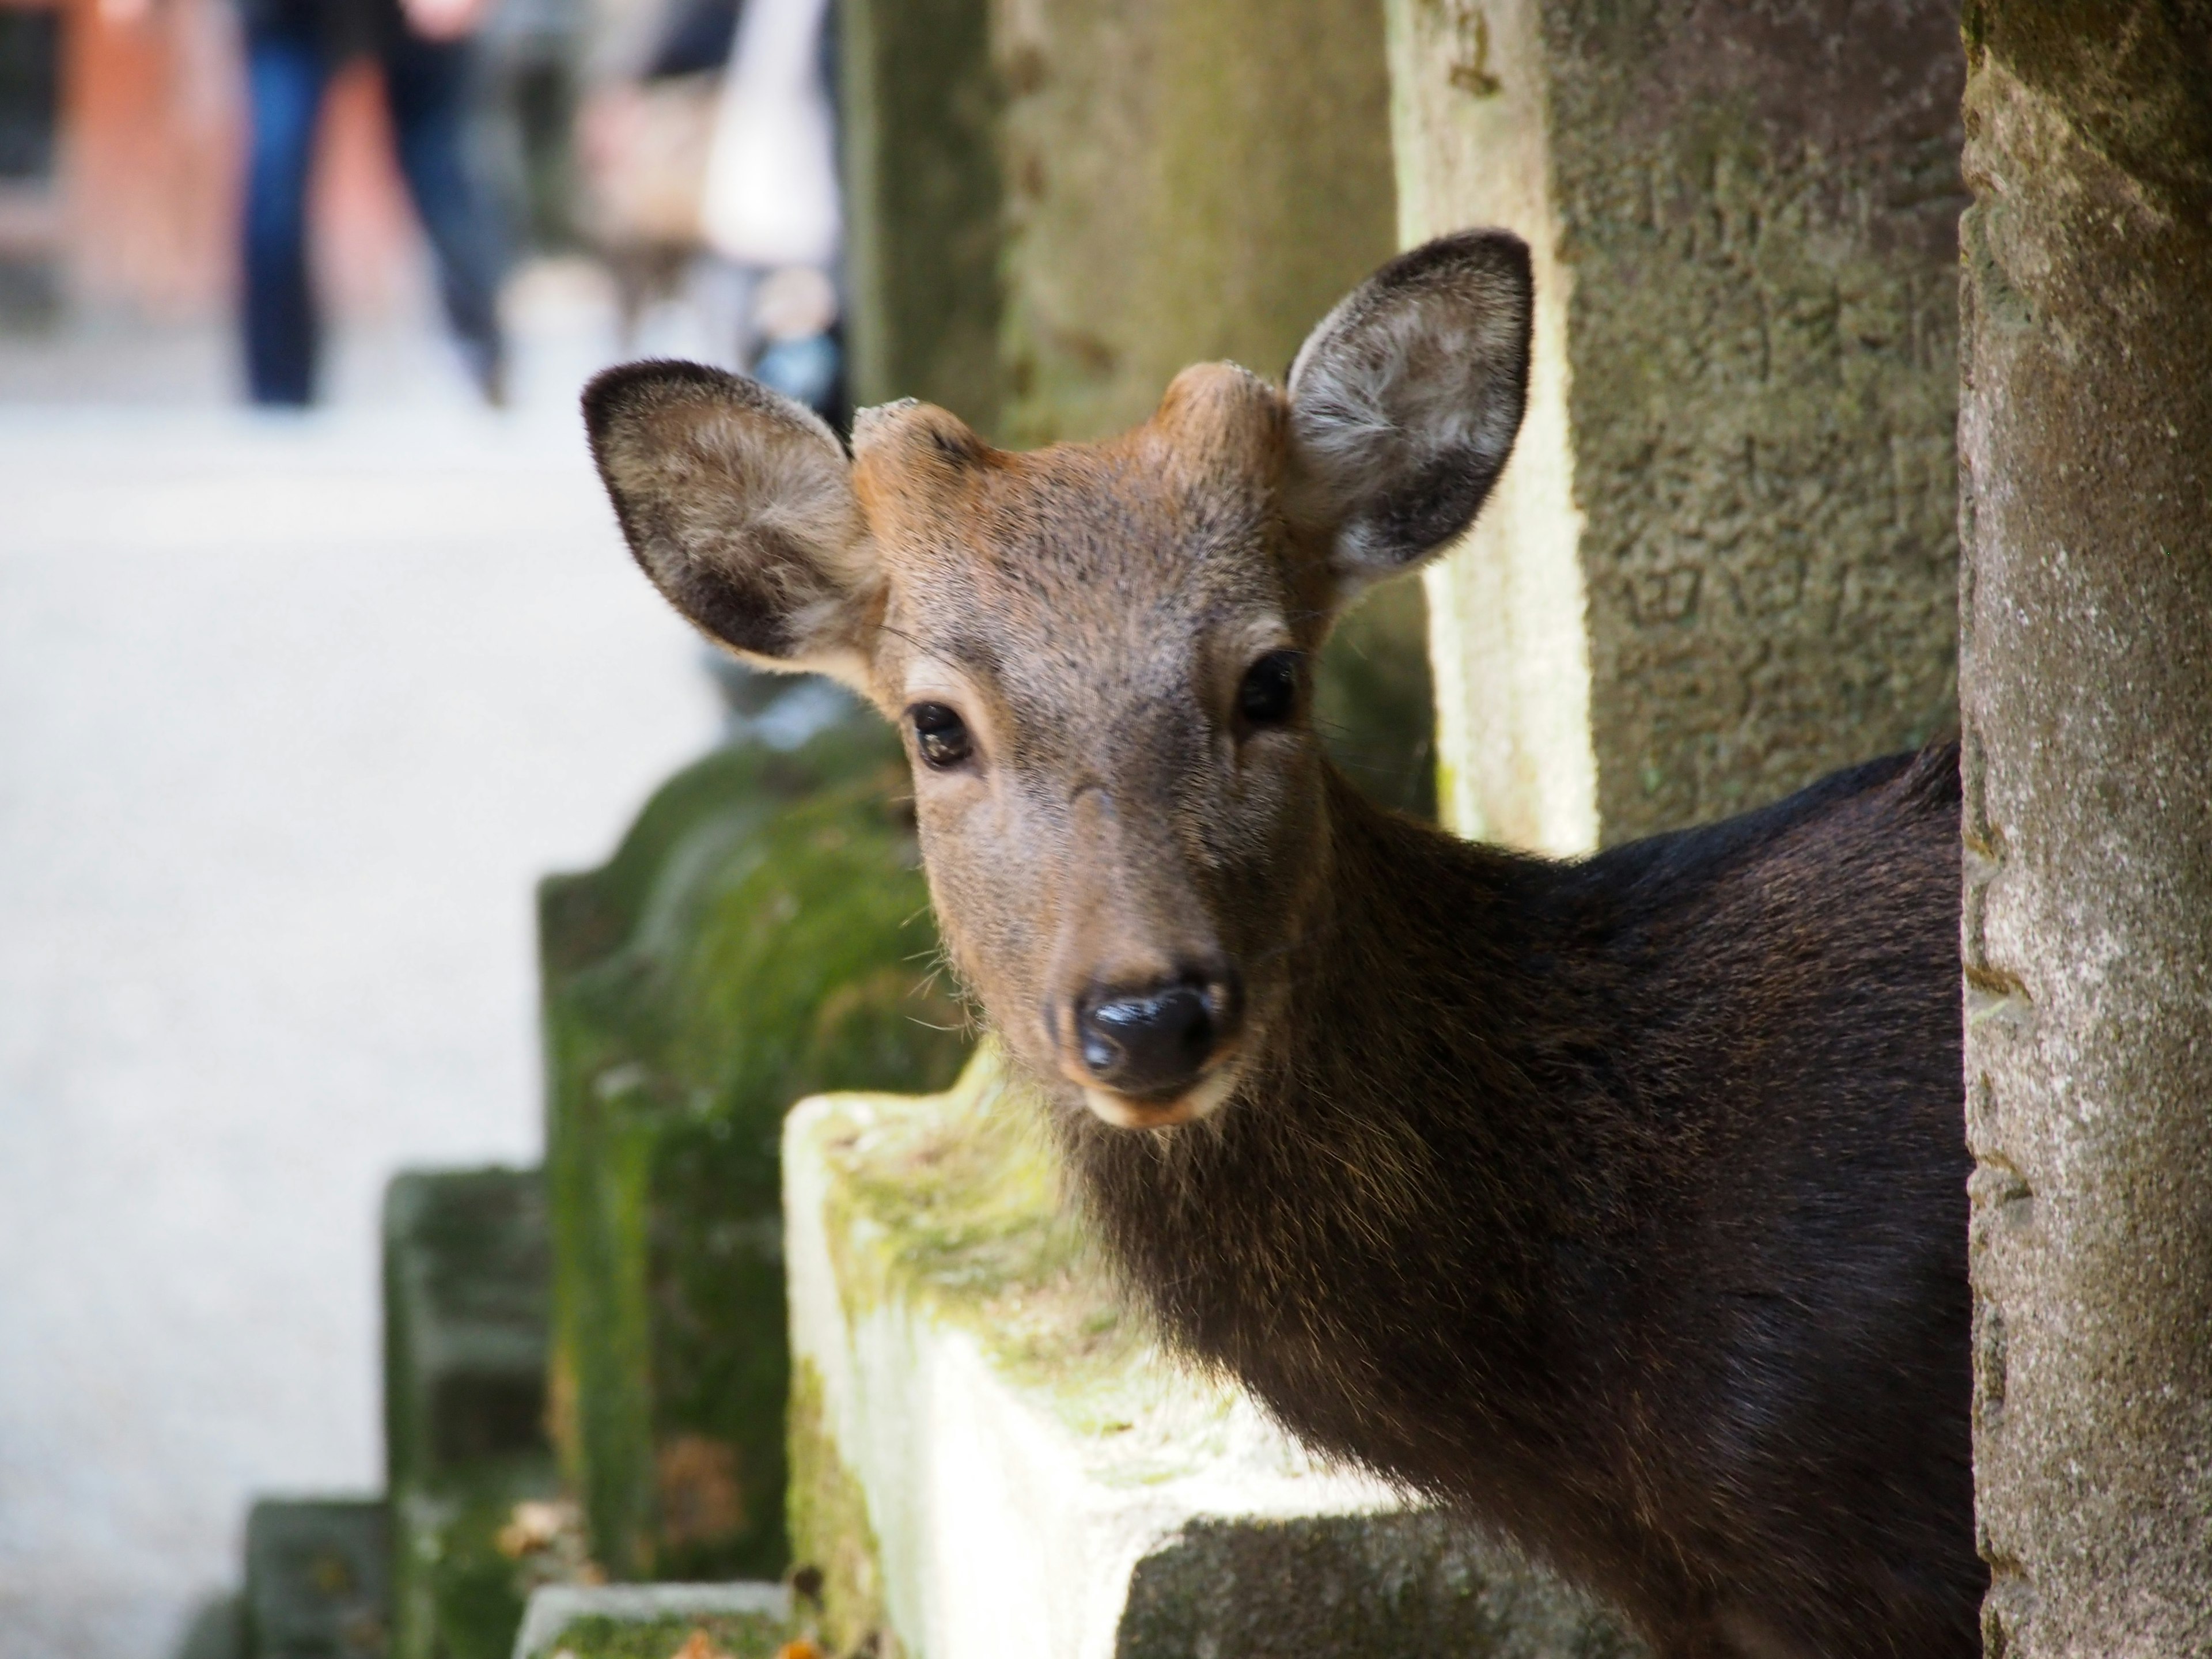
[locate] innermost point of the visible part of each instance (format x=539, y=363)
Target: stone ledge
x=991, y=1458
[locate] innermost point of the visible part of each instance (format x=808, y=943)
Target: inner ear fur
x=738, y=504
x=1405, y=399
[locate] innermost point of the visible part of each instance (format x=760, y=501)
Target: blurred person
x=712, y=168
x=423, y=46
x=293, y=47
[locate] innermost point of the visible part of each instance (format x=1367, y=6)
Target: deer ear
x=738, y=504
x=1405, y=401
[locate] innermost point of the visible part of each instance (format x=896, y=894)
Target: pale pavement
x=293, y=713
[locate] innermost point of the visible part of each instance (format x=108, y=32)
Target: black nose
x=1155, y=1040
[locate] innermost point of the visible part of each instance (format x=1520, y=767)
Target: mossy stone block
x=467, y=1274
x=318, y=1580
x=737, y=1620
x=993, y=1458
x=762, y=932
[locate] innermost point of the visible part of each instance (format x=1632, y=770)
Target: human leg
x=427, y=82
x=285, y=76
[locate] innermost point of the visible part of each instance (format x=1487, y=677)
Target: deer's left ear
x=1405, y=399
x=740, y=505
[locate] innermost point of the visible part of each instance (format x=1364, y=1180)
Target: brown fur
x=1620, y=1203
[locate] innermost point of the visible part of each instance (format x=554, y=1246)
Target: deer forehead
x=1124, y=561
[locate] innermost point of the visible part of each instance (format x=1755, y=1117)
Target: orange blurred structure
x=140, y=216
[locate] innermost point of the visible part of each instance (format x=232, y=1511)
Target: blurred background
x=319, y=647
x=296, y=704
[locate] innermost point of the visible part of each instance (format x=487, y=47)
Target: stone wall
x=1722, y=561
x=2086, y=436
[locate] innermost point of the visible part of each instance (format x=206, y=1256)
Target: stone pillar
x=1184, y=182
x=918, y=111
x=1722, y=561
x=2086, y=441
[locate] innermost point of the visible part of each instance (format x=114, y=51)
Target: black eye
x=1269, y=695
x=940, y=735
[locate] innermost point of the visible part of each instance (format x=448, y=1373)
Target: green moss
x=458, y=1590
x=732, y=1635
x=763, y=933
x=829, y=1528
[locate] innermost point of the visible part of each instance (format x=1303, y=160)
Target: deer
x=1616, y=1203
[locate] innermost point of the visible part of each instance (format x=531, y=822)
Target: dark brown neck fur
x=1580, y=1197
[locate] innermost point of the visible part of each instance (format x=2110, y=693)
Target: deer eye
x=1269, y=695
x=940, y=735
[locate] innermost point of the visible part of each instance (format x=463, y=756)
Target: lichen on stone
x=835, y=1546
x=953, y=1204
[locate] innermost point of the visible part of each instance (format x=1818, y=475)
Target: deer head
x=1100, y=654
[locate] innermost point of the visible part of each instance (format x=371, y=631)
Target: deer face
x=1100, y=654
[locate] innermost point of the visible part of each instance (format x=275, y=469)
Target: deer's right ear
x=738, y=504
x=1405, y=399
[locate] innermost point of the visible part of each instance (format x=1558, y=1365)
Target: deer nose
x=1155, y=1040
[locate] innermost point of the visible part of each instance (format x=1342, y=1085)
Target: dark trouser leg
x=284, y=81
x=428, y=84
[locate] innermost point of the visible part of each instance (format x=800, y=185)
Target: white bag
x=771, y=190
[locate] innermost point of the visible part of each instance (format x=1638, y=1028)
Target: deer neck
x=1411, y=1129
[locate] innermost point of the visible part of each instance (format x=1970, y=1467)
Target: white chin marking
x=1204, y=1097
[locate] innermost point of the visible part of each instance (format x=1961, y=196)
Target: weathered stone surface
x=1352, y=1587
x=466, y=1274
x=919, y=104
x=2085, y=438
x=653, y=1621
x=763, y=931
x=1722, y=561
x=318, y=1583
x=991, y=1458
x=1183, y=183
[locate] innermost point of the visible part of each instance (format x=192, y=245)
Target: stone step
x=318, y=1579
x=990, y=1457
x=474, y=1486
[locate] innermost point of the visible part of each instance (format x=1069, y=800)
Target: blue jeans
x=426, y=85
